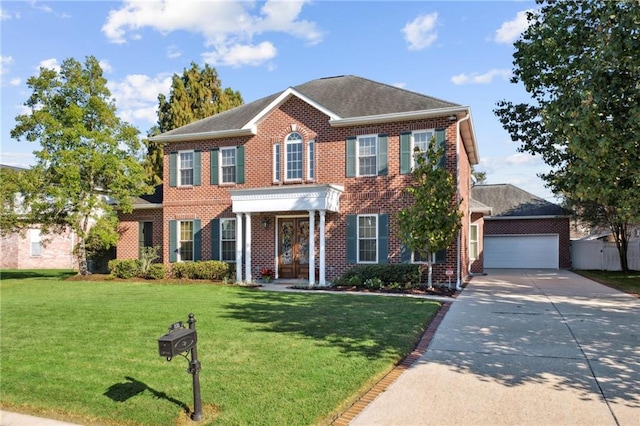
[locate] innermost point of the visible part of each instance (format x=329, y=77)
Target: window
x=311, y=159
x=293, y=149
x=367, y=239
x=276, y=162
x=473, y=242
x=437, y=257
x=228, y=165
x=145, y=236
x=185, y=241
x=367, y=154
x=185, y=168
x=228, y=240
x=420, y=140
x=35, y=242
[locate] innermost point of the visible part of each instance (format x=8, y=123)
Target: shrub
x=157, y=271
x=180, y=270
x=147, y=256
x=373, y=283
x=124, y=268
x=397, y=274
x=210, y=270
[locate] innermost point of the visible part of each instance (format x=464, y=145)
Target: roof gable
x=507, y=200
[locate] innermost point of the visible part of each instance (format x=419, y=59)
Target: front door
x=293, y=248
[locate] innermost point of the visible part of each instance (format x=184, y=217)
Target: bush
x=124, y=268
x=180, y=270
x=211, y=270
x=373, y=283
x=157, y=271
x=401, y=275
x=147, y=256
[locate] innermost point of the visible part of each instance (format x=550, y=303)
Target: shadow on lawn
x=360, y=325
x=121, y=392
x=19, y=274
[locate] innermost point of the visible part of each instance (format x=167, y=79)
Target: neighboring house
x=33, y=250
x=519, y=229
x=307, y=182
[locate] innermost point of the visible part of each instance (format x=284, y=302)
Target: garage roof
x=507, y=200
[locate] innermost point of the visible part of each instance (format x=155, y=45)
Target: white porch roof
x=287, y=198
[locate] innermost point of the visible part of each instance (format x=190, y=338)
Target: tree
x=195, y=95
x=580, y=62
x=480, y=177
x=88, y=160
x=431, y=223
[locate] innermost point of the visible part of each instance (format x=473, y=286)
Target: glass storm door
x=293, y=248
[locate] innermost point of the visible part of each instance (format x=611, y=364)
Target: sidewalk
x=15, y=419
x=524, y=347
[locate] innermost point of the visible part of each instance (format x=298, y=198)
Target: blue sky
x=457, y=51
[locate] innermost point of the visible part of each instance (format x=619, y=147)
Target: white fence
x=598, y=255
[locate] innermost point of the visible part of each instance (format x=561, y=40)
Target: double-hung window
x=228, y=165
x=420, y=143
x=35, y=241
x=311, y=153
x=185, y=168
x=367, y=238
x=185, y=241
x=473, y=242
x=276, y=162
x=145, y=236
x=228, y=240
x=367, y=154
x=294, y=157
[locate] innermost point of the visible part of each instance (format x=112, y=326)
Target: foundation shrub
x=396, y=275
x=157, y=271
x=124, y=268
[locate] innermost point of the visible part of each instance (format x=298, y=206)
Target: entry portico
x=280, y=199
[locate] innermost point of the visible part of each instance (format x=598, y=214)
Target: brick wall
x=56, y=252
x=379, y=194
x=128, y=229
x=558, y=226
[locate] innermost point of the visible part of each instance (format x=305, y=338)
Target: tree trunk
x=622, y=244
x=430, y=274
x=82, y=247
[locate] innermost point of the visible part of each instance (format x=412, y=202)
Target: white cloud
x=106, y=66
x=229, y=27
x=239, y=55
x=5, y=15
x=173, y=52
x=51, y=63
x=5, y=61
x=137, y=97
x=420, y=33
x=15, y=82
x=18, y=159
x=485, y=78
x=400, y=85
x=509, y=31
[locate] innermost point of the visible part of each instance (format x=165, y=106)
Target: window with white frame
x=228, y=165
x=276, y=162
x=367, y=153
x=420, y=139
x=185, y=168
x=185, y=241
x=473, y=242
x=35, y=240
x=367, y=238
x=311, y=153
x=293, y=155
x=228, y=240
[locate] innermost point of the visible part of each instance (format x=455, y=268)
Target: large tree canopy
x=195, y=95
x=580, y=62
x=88, y=159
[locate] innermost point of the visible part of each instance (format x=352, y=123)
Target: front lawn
x=628, y=282
x=87, y=351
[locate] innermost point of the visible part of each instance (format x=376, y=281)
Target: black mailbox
x=177, y=341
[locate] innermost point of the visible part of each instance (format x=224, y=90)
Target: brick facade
x=56, y=251
x=370, y=194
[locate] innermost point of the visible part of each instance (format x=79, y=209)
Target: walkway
x=524, y=347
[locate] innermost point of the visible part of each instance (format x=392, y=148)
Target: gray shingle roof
x=347, y=96
x=507, y=200
x=149, y=200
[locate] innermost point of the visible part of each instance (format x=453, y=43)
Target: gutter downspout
x=458, y=266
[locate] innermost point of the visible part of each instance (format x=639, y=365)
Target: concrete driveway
x=534, y=347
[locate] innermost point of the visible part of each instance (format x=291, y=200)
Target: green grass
x=628, y=282
x=87, y=351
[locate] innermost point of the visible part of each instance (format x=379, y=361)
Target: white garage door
x=521, y=251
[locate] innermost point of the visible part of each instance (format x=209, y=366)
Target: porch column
x=312, y=247
x=247, y=244
x=238, y=247
x=321, y=279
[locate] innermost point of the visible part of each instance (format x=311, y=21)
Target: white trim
x=226, y=219
x=35, y=237
x=287, y=143
x=397, y=116
x=286, y=198
x=221, y=166
x=281, y=99
x=218, y=134
x=376, y=239
x=477, y=240
x=376, y=154
x=412, y=144
x=277, y=158
x=179, y=167
x=525, y=217
x=311, y=161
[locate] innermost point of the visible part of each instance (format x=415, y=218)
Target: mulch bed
x=419, y=291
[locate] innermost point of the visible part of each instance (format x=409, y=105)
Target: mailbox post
x=178, y=341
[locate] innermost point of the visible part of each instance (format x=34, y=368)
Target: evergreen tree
x=195, y=95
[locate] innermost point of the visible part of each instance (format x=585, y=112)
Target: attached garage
x=521, y=251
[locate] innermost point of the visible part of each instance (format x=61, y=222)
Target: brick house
x=307, y=182
x=32, y=249
x=512, y=228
